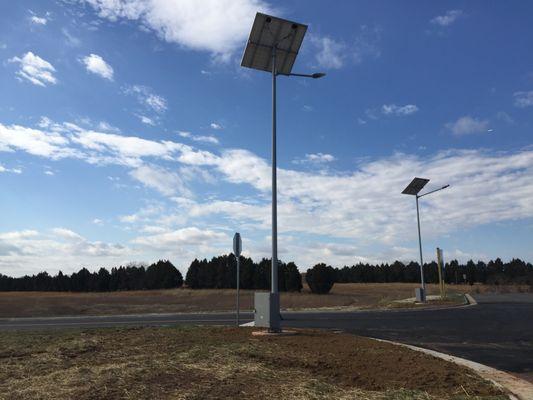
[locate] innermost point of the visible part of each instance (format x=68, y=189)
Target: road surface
x=497, y=332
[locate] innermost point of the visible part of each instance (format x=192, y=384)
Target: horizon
x=129, y=132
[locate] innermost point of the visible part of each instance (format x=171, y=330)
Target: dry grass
x=347, y=296
x=214, y=363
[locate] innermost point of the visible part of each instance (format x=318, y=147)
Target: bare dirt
x=216, y=363
x=342, y=296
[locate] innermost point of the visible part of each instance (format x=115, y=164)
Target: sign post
x=440, y=267
x=237, y=248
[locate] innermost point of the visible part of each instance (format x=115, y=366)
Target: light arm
x=433, y=191
x=316, y=75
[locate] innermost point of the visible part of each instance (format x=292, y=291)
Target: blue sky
x=129, y=132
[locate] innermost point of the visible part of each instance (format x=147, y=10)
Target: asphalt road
x=497, y=332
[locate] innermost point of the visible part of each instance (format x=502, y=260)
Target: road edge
x=516, y=388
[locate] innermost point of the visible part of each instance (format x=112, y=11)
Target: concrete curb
x=516, y=388
x=471, y=301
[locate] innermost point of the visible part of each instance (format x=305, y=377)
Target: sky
x=129, y=132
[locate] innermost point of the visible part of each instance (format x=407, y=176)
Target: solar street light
x=272, y=47
x=414, y=188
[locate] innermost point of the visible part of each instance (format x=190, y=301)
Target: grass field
x=357, y=296
x=214, y=363
x=347, y=296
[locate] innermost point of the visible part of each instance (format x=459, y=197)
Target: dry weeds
x=343, y=296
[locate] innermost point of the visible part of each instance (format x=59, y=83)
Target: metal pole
x=420, y=247
x=274, y=283
x=238, y=286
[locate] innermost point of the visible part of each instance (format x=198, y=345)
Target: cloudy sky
x=129, y=132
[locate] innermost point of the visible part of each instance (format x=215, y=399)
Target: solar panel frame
x=286, y=35
x=416, y=185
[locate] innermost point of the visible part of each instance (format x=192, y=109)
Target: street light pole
x=420, y=247
x=416, y=185
x=272, y=47
x=420, y=236
x=274, y=272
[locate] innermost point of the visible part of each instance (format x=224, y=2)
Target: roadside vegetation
x=214, y=363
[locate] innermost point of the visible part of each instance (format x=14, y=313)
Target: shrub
x=320, y=278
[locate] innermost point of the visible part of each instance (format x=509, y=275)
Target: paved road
x=497, y=332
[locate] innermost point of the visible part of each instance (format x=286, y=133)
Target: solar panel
x=415, y=186
x=268, y=31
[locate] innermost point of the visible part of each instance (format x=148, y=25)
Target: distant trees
x=494, y=272
x=160, y=275
x=220, y=273
x=320, y=278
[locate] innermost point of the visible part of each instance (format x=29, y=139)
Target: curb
x=470, y=300
x=516, y=388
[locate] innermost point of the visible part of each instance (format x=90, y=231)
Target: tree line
x=495, y=272
x=220, y=273
x=159, y=275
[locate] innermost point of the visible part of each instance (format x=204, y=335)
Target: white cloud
x=468, y=125
x=129, y=219
x=206, y=139
x=38, y=20
x=34, y=69
x=148, y=98
x=200, y=138
x=146, y=120
x=36, y=142
x=106, y=127
x=393, y=109
x=216, y=26
x=166, y=182
x=215, y=126
x=97, y=65
x=334, y=54
x=97, y=221
x=191, y=236
x=29, y=251
x=12, y=170
x=362, y=206
x=49, y=173
x=523, y=99
x=67, y=234
x=330, y=53
x=317, y=158
x=448, y=18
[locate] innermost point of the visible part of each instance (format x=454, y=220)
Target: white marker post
x=237, y=248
